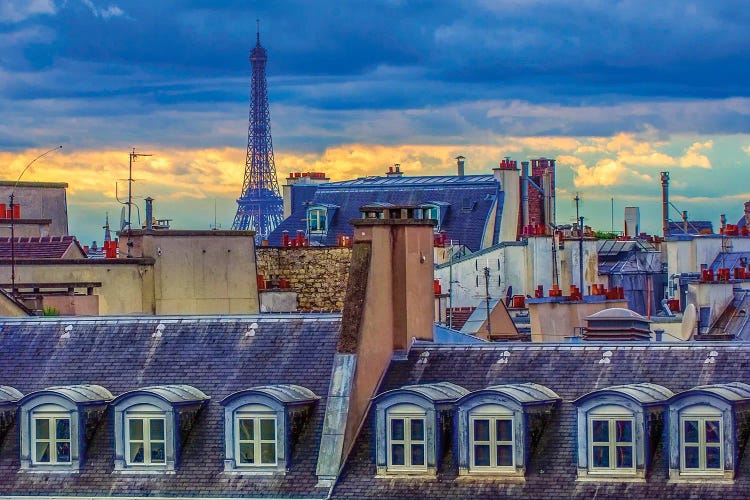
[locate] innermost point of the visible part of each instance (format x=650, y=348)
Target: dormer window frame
x=318, y=218
x=280, y=404
x=79, y=406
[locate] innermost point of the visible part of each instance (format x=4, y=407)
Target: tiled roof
x=218, y=356
x=571, y=371
x=470, y=200
x=45, y=247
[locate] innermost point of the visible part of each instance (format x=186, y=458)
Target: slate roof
x=570, y=371
x=216, y=355
x=730, y=260
x=45, y=247
x=470, y=199
x=694, y=227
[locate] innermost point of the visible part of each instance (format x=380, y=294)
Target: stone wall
x=318, y=275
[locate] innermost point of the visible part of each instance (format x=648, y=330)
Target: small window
x=612, y=443
x=406, y=438
x=317, y=220
x=256, y=439
x=492, y=442
x=51, y=439
x=701, y=442
x=146, y=442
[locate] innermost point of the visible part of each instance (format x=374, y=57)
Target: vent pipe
x=149, y=213
x=525, y=193
x=665, y=203
x=460, y=165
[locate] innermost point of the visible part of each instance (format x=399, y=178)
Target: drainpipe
x=525, y=193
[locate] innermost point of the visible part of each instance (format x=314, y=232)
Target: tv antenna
x=133, y=157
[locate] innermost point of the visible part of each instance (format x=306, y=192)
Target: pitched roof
x=470, y=200
x=217, y=356
x=571, y=371
x=45, y=247
x=694, y=227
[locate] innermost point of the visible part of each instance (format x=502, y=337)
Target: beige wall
x=553, y=321
x=716, y=295
x=40, y=200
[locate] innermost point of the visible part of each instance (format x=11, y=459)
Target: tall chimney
x=149, y=213
x=525, y=192
x=460, y=164
x=665, y=203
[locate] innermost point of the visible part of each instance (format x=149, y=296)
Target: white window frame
x=314, y=213
x=702, y=414
x=52, y=418
x=493, y=413
x=256, y=415
x=611, y=416
x=430, y=209
x=407, y=413
x=147, y=418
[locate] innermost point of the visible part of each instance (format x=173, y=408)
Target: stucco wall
x=40, y=200
x=553, y=321
x=318, y=275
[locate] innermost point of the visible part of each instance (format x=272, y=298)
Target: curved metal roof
x=643, y=393
x=732, y=391
x=526, y=393
x=617, y=313
x=78, y=394
x=174, y=394
x=439, y=392
x=9, y=395
x=283, y=393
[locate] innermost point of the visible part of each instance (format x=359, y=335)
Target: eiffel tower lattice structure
x=259, y=207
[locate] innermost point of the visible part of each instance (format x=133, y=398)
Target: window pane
x=397, y=454
x=417, y=429
x=482, y=455
x=157, y=453
x=246, y=429
x=624, y=431
x=600, y=456
x=268, y=453
x=481, y=430
x=42, y=452
x=713, y=457
x=397, y=429
x=504, y=455
x=42, y=428
x=712, y=431
x=268, y=429
x=247, y=453
x=63, y=428
x=624, y=456
x=417, y=454
x=600, y=430
x=691, y=457
x=136, y=453
x=156, y=429
x=504, y=430
x=63, y=452
x=691, y=431
x=136, y=429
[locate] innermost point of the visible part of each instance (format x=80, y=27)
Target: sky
x=616, y=91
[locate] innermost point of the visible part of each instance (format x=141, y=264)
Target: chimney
x=460, y=165
x=394, y=171
x=665, y=203
x=723, y=219
x=632, y=222
x=149, y=213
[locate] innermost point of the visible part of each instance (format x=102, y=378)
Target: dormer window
x=319, y=218
x=260, y=425
x=495, y=426
x=618, y=430
x=705, y=428
x=151, y=424
x=410, y=421
x=56, y=424
x=435, y=210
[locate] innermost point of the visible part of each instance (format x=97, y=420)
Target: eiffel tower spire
x=259, y=206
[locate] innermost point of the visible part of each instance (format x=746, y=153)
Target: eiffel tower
x=259, y=207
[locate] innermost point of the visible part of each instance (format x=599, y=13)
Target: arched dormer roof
x=732, y=392
x=523, y=394
x=436, y=393
x=286, y=394
x=644, y=394
x=9, y=395
x=172, y=394
x=83, y=394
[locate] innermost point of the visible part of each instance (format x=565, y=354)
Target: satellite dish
x=688, y=322
x=123, y=219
